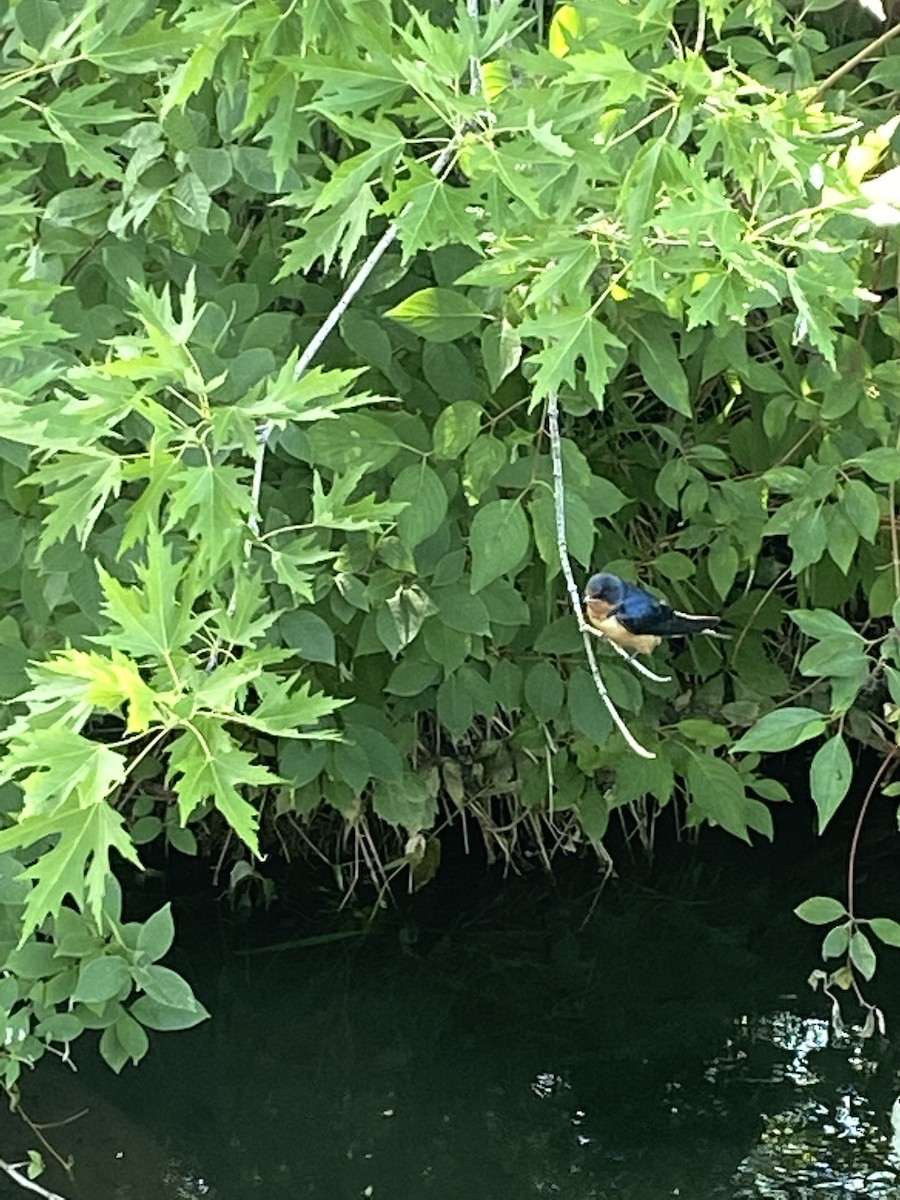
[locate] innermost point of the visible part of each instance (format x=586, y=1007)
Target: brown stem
x=887, y=766
x=881, y=40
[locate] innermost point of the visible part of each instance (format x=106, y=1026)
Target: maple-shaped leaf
x=151, y=618
x=340, y=230
x=80, y=681
x=571, y=334
x=78, y=864
x=318, y=393
x=56, y=767
x=80, y=487
x=282, y=711
x=220, y=689
x=336, y=511
x=432, y=214
x=207, y=764
x=213, y=502
x=245, y=614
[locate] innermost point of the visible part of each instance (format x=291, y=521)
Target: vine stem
x=887, y=765
x=559, y=507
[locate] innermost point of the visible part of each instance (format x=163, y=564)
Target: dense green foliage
x=679, y=220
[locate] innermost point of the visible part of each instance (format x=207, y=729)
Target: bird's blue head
x=605, y=587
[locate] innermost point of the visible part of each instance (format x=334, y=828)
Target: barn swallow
x=634, y=619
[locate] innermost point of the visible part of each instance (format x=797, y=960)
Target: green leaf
x=501, y=351
x=309, y=635
x=885, y=930
x=459, y=609
x=411, y=803
x=782, y=730
x=717, y=792
x=399, y=620
x=862, y=508
x=426, y=502
x=157, y=933
x=820, y=910
x=165, y=986
x=843, y=537
x=835, y=656
x=662, y=369
x=580, y=530
x=483, y=459
x=830, y=776
x=544, y=692
x=102, y=979
x=411, y=678
x=437, y=314
x=572, y=335
x=498, y=541
x=822, y=623
x=206, y=764
x=153, y=1015
x=86, y=828
x=722, y=565
x=455, y=707
x=836, y=941
x=155, y=617
x=808, y=538
x=882, y=465
x=861, y=954
x=587, y=711
x=456, y=428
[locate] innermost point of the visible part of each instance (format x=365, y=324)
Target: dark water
x=533, y=1041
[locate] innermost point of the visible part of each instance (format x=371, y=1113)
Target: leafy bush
x=678, y=222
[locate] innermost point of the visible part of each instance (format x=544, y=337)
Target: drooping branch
x=559, y=508
x=14, y=1171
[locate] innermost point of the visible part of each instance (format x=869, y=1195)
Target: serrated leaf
x=77, y=865
x=206, y=764
x=571, y=336
x=154, y=618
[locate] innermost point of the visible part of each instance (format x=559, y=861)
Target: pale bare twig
x=559, y=506
x=14, y=1171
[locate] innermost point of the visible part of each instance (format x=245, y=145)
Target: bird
x=632, y=618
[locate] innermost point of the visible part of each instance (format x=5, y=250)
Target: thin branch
x=559, y=502
x=376, y=254
x=885, y=770
x=867, y=52
x=13, y=1170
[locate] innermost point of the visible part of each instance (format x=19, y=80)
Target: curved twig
x=866, y=52
x=559, y=507
x=14, y=1171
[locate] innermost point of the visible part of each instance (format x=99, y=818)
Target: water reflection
x=654, y=1056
